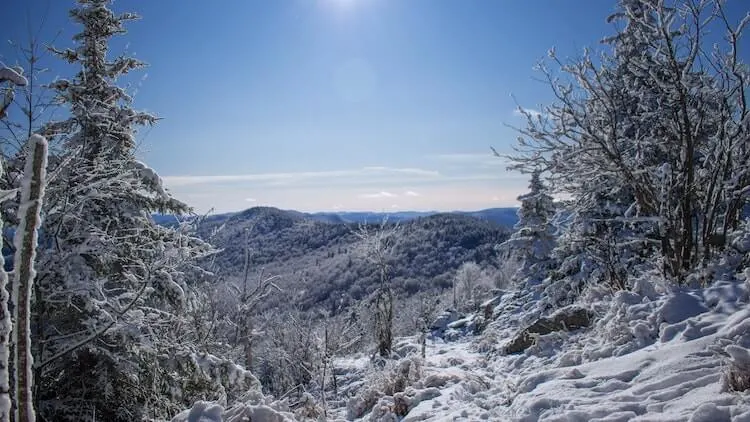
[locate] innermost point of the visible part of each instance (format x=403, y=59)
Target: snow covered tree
x=469, y=283
x=376, y=246
x=534, y=238
x=112, y=287
x=661, y=114
x=249, y=296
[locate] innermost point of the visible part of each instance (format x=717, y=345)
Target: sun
x=342, y=4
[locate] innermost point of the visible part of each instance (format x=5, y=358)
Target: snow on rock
x=211, y=412
x=441, y=323
x=680, y=307
x=201, y=412
x=260, y=413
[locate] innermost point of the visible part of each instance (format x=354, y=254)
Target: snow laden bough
x=14, y=77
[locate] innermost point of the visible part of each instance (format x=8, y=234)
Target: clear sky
x=336, y=104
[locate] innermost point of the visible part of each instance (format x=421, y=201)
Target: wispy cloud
x=378, y=195
x=297, y=178
x=465, y=180
x=523, y=111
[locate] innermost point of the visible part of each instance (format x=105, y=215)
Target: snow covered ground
x=645, y=359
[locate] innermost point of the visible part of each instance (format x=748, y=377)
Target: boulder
x=566, y=319
x=441, y=323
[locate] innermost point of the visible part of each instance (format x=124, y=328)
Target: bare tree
x=426, y=313
x=376, y=246
x=469, y=283
x=338, y=335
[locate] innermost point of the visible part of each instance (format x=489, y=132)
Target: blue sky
x=336, y=104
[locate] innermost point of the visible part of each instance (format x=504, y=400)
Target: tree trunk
x=32, y=192
x=5, y=331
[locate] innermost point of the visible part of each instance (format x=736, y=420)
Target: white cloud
x=461, y=195
x=458, y=181
x=378, y=195
x=297, y=178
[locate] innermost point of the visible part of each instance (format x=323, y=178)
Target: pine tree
x=533, y=240
x=112, y=286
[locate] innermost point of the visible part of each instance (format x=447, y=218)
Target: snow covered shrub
x=736, y=378
x=737, y=372
x=470, y=284
x=394, y=378
x=307, y=408
x=288, y=354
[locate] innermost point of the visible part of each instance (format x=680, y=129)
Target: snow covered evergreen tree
x=660, y=115
x=112, y=286
x=529, y=247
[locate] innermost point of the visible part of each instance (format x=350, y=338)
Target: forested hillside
x=321, y=264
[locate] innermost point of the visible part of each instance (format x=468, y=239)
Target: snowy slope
x=645, y=359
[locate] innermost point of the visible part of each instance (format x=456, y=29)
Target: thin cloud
x=379, y=195
x=411, y=193
x=522, y=111
x=251, y=200
x=300, y=177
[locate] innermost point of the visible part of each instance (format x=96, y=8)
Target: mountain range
x=502, y=216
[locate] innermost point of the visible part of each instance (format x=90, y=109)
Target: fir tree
x=533, y=240
x=113, y=286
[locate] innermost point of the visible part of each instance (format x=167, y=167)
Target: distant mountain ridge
x=502, y=216
x=506, y=217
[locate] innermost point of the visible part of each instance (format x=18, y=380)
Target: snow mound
x=211, y=412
